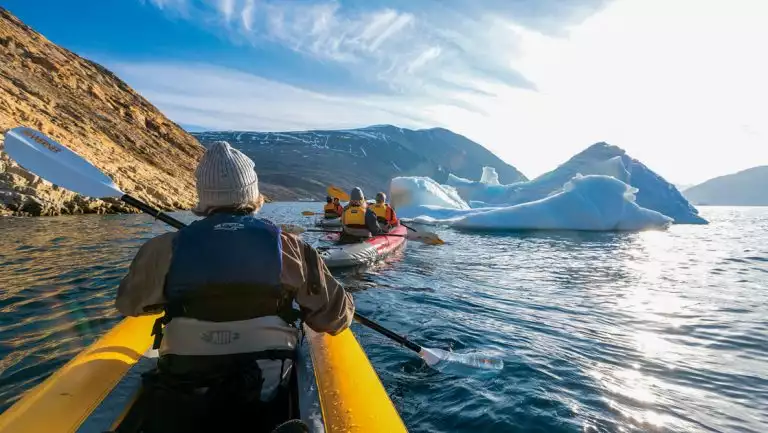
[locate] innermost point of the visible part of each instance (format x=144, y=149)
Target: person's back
x=227, y=284
x=339, y=207
x=384, y=212
x=357, y=220
x=331, y=209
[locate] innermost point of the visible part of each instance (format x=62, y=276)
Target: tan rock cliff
x=86, y=107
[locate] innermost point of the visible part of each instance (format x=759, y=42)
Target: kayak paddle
x=336, y=192
x=59, y=165
x=310, y=213
x=428, y=238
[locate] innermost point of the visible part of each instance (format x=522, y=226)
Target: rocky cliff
x=294, y=165
x=86, y=107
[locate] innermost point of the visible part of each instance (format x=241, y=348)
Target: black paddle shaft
x=152, y=211
x=178, y=224
x=397, y=338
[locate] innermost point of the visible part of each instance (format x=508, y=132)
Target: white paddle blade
x=58, y=164
x=433, y=357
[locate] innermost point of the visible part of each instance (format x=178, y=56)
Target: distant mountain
x=745, y=188
x=654, y=193
x=89, y=109
x=295, y=165
x=682, y=186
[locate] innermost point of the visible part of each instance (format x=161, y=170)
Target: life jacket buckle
x=157, y=330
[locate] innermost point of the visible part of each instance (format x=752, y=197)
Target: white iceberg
x=599, y=159
x=490, y=177
x=594, y=202
x=480, y=192
x=407, y=191
x=423, y=200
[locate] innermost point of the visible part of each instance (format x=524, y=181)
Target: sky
x=681, y=85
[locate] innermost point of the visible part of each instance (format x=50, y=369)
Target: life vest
x=353, y=222
x=384, y=213
x=223, y=290
x=331, y=210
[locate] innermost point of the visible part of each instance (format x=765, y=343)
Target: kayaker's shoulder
x=161, y=245
x=160, y=240
x=292, y=244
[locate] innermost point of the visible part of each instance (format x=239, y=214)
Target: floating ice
x=488, y=194
x=407, y=192
x=594, y=202
x=489, y=177
x=599, y=159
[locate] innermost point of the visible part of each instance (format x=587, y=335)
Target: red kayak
x=364, y=252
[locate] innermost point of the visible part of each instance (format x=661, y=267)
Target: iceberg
x=479, y=192
x=654, y=192
x=592, y=202
x=489, y=177
x=423, y=200
x=409, y=191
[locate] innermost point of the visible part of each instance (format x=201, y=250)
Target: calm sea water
x=600, y=332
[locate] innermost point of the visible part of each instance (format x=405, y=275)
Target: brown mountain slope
x=86, y=107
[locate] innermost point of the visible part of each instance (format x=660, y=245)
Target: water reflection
x=599, y=332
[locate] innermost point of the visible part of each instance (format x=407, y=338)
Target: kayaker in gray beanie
x=358, y=221
x=226, y=179
x=227, y=284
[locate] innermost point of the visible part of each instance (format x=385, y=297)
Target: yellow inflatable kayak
x=337, y=388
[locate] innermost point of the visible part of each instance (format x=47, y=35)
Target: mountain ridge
x=300, y=164
x=743, y=188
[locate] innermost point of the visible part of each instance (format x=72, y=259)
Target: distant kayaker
x=385, y=214
x=227, y=284
x=332, y=208
x=358, y=221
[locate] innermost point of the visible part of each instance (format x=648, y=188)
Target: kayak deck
x=337, y=387
x=365, y=252
x=328, y=222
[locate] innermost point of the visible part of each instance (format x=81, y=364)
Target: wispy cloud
x=548, y=75
x=173, y=5
x=398, y=47
x=321, y=30
x=213, y=97
x=246, y=15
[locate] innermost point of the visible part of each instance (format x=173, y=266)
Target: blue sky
x=680, y=84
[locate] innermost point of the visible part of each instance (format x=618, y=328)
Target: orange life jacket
x=384, y=213
x=331, y=210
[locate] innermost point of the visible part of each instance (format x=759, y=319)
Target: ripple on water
x=599, y=332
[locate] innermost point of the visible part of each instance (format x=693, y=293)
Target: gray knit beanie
x=357, y=194
x=225, y=177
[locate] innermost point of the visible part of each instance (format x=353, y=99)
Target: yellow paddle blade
x=336, y=192
x=292, y=228
x=309, y=213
